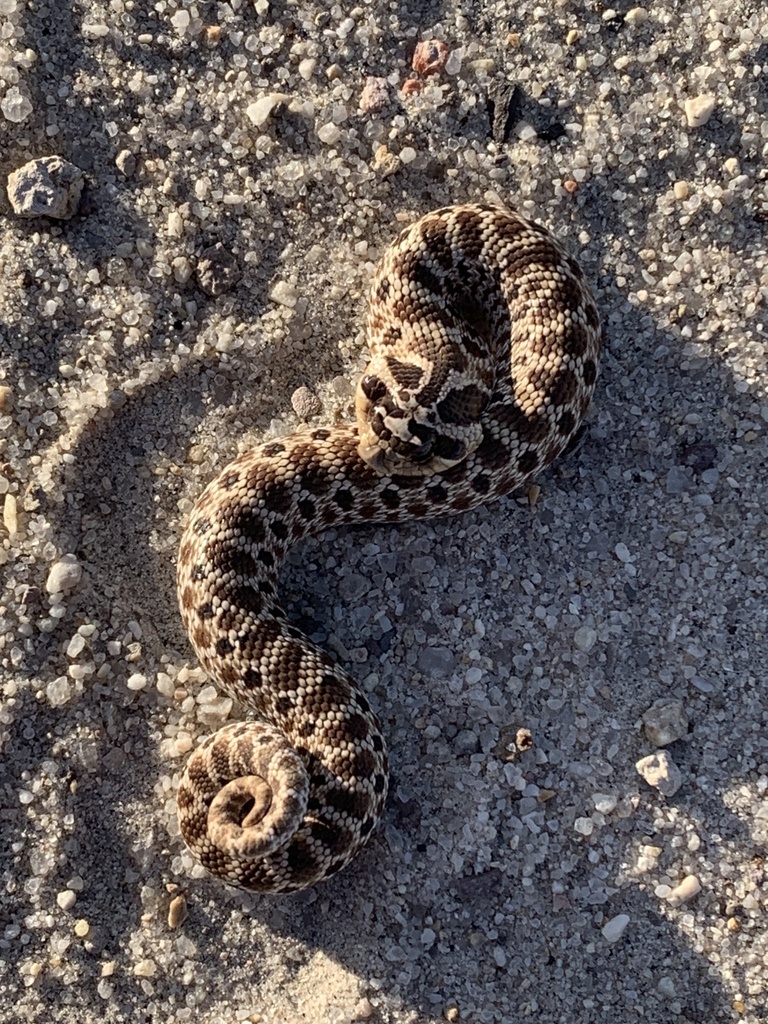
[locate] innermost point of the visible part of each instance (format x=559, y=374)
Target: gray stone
x=353, y=586
x=466, y=742
x=613, y=930
x=48, y=187
x=437, y=661
x=665, y=721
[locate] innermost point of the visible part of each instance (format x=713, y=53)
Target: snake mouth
x=390, y=456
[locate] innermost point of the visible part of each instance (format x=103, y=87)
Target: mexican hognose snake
x=484, y=341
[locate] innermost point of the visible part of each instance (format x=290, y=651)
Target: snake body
x=484, y=341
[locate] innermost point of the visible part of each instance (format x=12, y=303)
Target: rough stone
x=661, y=772
x=64, y=575
x=48, y=187
x=665, y=721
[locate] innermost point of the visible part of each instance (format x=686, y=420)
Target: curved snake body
x=484, y=343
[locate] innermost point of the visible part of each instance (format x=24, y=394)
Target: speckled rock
x=305, y=403
x=217, y=272
x=661, y=772
x=430, y=56
x=48, y=187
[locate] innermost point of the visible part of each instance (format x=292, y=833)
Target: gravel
x=287, y=144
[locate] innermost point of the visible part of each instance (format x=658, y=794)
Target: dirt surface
x=135, y=362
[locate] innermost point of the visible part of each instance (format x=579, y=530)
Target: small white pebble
x=258, y=113
x=636, y=16
x=10, y=515
x=307, y=68
x=604, y=802
x=666, y=987
x=648, y=858
x=75, y=646
x=66, y=899
x=329, y=134
x=685, y=891
x=285, y=294
x=183, y=743
x=64, y=575
x=622, y=553
x=180, y=21
x=698, y=110
x=59, y=691
x=175, y=224
x=613, y=930
x=15, y=106
x=125, y=162
x=585, y=638
x=137, y=681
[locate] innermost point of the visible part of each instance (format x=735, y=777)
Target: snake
x=484, y=340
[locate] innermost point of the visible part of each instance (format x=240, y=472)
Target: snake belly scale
x=484, y=341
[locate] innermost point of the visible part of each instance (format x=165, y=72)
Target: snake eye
x=450, y=448
x=373, y=388
x=422, y=453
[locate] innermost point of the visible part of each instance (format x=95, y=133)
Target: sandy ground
x=496, y=890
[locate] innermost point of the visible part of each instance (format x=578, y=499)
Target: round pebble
x=217, y=270
x=177, y=911
x=305, y=403
x=66, y=899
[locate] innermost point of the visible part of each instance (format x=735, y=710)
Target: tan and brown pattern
x=484, y=345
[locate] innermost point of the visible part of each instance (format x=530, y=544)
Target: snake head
x=398, y=437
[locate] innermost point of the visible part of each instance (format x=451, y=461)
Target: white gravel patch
x=245, y=166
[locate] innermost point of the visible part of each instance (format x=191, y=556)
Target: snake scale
x=484, y=340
